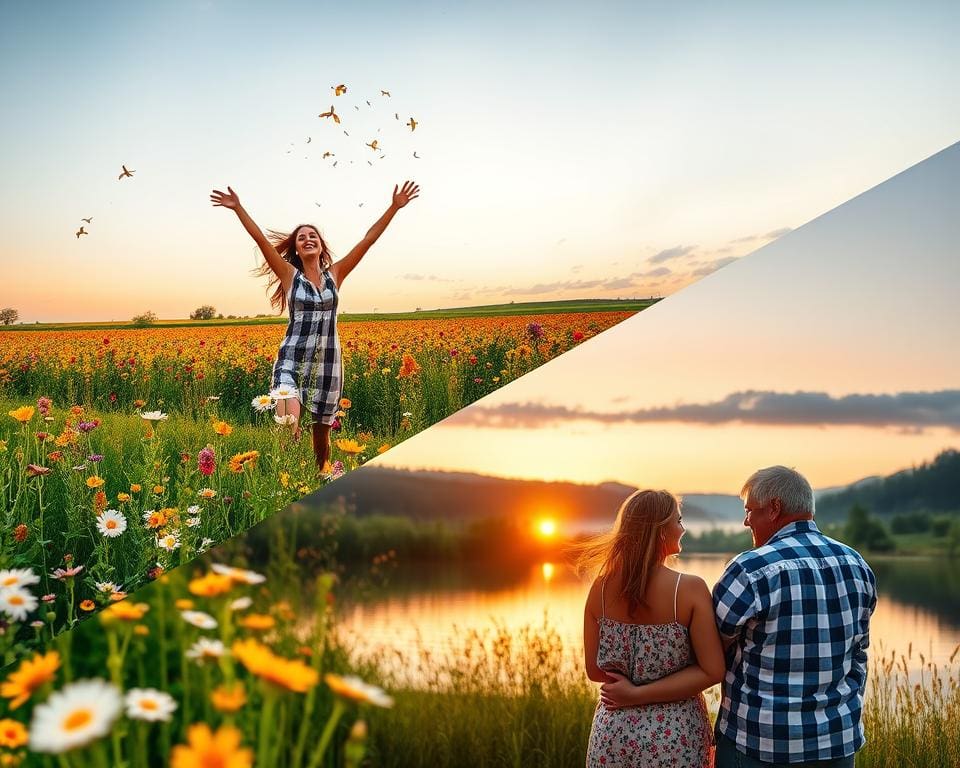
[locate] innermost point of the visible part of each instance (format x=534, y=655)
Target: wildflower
x=18, y=577
x=238, y=574
x=20, y=533
x=205, y=650
x=95, y=481
x=23, y=414
x=107, y=587
x=44, y=404
x=124, y=611
x=62, y=574
x=337, y=470
x=383, y=448
x=335, y=425
x=211, y=585
x=293, y=675
x=406, y=414
x=535, y=331
x=49, y=598
x=222, y=428
x=123, y=497
x=141, y=630
x=138, y=404
x=578, y=335
x=111, y=523
x=258, y=622
x=169, y=541
x=75, y=716
x=241, y=604
x=88, y=426
x=115, y=596
x=240, y=460
x=199, y=619
x=153, y=416
x=30, y=675
x=158, y=490
x=17, y=602
x=87, y=605
x=154, y=518
x=35, y=470
x=76, y=410
x=193, y=522
x=262, y=403
x=287, y=418
x=355, y=689
x=99, y=502
x=12, y=734
x=206, y=461
x=408, y=367
x=207, y=493
x=149, y=704
x=345, y=403
x=205, y=747
x=55, y=455
x=205, y=545
x=283, y=392
x=230, y=699
x=136, y=488
x=183, y=604
x=96, y=458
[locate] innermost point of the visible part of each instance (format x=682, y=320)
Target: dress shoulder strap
x=676, y=589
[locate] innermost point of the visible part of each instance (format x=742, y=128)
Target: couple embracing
x=785, y=631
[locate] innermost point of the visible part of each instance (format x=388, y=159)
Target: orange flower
x=122, y=497
x=228, y=699
x=87, y=605
x=239, y=460
x=136, y=488
x=124, y=611
x=409, y=366
x=183, y=604
x=345, y=403
x=257, y=621
x=30, y=675
x=99, y=502
x=211, y=585
x=383, y=448
x=23, y=414
x=155, y=518
x=222, y=428
x=285, y=673
x=351, y=447
x=13, y=734
x=94, y=481
x=208, y=748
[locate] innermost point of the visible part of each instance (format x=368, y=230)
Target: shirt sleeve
x=734, y=599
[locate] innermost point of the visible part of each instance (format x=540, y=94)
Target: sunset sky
x=832, y=349
x=570, y=150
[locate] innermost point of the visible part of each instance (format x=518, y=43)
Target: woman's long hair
x=633, y=549
x=285, y=244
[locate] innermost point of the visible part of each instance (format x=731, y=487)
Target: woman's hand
x=228, y=199
x=409, y=192
x=621, y=692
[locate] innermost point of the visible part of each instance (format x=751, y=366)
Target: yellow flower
x=94, y=481
x=206, y=748
x=124, y=611
x=355, y=689
x=183, y=604
x=351, y=446
x=384, y=447
x=141, y=630
x=257, y=621
x=158, y=489
x=239, y=460
x=30, y=675
x=122, y=497
x=228, y=699
x=222, y=428
x=285, y=479
x=155, y=519
x=211, y=585
x=286, y=673
x=136, y=488
x=23, y=414
x=13, y=734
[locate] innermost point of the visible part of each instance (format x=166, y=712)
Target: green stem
x=338, y=710
x=266, y=717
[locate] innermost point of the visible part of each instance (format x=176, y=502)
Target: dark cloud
x=672, y=253
x=913, y=411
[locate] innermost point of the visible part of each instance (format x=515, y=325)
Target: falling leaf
x=126, y=173
x=326, y=155
x=412, y=124
x=331, y=113
x=339, y=90
x=372, y=144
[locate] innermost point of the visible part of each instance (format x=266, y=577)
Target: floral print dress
x=676, y=734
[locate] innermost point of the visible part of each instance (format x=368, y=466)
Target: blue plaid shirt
x=799, y=607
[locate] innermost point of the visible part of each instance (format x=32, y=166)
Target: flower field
x=123, y=455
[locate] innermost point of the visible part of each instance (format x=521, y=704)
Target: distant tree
x=953, y=542
x=147, y=318
x=940, y=527
x=9, y=316
x=206, y=312
x=220, y=316
x=866, y=532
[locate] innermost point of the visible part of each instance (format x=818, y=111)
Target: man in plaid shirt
x=794, y=614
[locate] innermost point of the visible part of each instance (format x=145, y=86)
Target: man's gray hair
x=784, y=483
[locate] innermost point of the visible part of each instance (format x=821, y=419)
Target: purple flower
x=88, y=426
x=337, y=470
x=206, y=461
x=95, y=457
x=535, y=330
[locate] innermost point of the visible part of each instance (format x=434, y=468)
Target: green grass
x=489, y=310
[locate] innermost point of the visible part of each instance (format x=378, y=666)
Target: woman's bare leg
x=321, y=443
x=291, y=407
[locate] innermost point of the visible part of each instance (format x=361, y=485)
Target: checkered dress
x=309, y=355
x=800, y=609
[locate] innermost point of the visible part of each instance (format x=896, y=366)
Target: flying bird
x=416, y=155
x=81, y=231
x=384, y=93
x=326, y=155
x=318, y=205
x=339, y=90
x=368, y=103
x=372, y=144
x=369, y=163
x=412, y=124
x=308, y=139
x=345, y=133
x=360, y=206
x=89, y=221
x=125, y=173
x=396, y=115
x=334, y=163
x=331, y=113
x=356, y=107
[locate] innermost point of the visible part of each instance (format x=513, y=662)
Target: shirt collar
x=798, y=526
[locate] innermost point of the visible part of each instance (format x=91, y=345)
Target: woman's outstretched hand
x=409, y=192
x=227, y=199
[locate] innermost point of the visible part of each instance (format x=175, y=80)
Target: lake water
x=429, y=608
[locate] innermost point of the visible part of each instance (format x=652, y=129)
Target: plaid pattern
x=800, y=609
x=309, y=355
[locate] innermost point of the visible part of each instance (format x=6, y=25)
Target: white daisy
x=149, y=704
x=238, y=574
x=80, y=713
x=153, y=416
x=107, y=587
x=199, y=619
x=193, y=522
x=205, y=545
x=206, y=650
x=17, y=602
x=283, y=392
x=262, y=403
x=18, y=577
x=287, y=418
x=212, y=398
x=111, y=523
x=193, y=510
x=169, y=541
x=241, y=604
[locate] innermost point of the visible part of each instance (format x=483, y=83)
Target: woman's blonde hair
x=285, y=243
x=634, y=548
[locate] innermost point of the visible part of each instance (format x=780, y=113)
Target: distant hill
x=463, y=497
x=931, y=487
